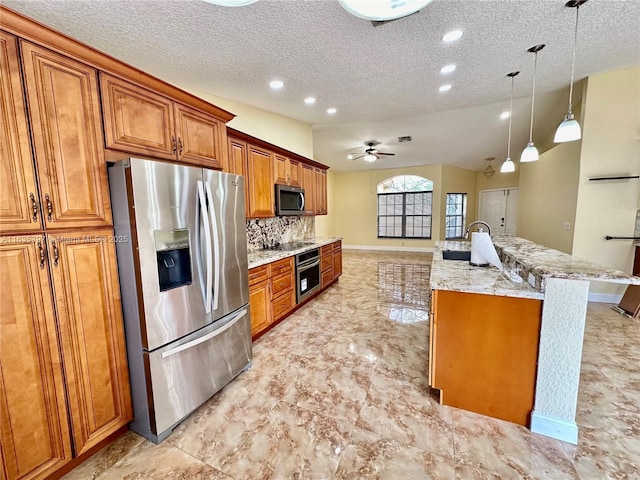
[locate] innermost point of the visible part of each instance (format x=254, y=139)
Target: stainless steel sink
x=456, y=255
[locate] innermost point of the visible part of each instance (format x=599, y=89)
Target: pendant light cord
x=533, y=96
x=573, y=60
x=510, y=115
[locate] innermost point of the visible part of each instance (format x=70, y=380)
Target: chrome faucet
x=466, y=233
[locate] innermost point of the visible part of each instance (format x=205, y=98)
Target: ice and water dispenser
x=173, y=257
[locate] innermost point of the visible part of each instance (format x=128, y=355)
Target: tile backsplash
x=269, y=232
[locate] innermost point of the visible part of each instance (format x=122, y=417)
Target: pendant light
x=489, y=171
x=569, y=129
x=530, y=153
x=508, y=166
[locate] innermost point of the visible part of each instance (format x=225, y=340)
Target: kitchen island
x=513, y=350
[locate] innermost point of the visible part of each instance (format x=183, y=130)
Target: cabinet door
x=260, y=179
x=64, y=106
x=137, y=120
x=295, y=173
x=260, y=303
x=237, y=163
x=337, y=262
x=320, y=191
x=34, y=428
x=200, y=138
x=280, y=167
x=19, y=209
x=90, y=319
x=309, y=185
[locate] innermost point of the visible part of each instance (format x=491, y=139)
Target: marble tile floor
x=339, y=391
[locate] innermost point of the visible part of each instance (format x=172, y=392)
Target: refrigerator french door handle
x=302, y=201
x=216, y=247
x=207, y=241
x=206, y=337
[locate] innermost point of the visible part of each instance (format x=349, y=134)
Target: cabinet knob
x=34, y=207
x=174, y=145
x=49, y=207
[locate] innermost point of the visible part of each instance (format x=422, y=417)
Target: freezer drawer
x=186, y=373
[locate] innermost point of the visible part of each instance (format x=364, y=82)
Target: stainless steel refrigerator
x=181, y=243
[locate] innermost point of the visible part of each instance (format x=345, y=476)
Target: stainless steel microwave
x=289, y=200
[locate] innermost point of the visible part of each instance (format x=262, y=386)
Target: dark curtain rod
x=621, y=238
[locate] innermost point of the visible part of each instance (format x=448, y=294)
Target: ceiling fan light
x=382, y=10
x=231, y=3
x=507, y=166
x=568, y=130
x=529, y=154
x=369, y=157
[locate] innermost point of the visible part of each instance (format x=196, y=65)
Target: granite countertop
x=459, y=276
x=261, y=257
x=550, y=263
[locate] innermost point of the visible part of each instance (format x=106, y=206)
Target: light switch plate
x=566, y=226
x=532, y=280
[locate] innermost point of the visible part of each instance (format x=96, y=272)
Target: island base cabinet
x=484, y=353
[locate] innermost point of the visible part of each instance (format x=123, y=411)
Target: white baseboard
x=554, y=428
x=387, y=249
x=605, y=298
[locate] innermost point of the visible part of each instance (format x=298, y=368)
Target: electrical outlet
x=531, y=279
x=566, y=226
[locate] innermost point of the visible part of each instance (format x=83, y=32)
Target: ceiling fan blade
x=382, y=153
x=356, y=158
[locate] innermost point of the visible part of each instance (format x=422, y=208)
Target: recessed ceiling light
x=276, y=84
x=310, y=100
x=444, y=88
x=452, y=36
x=448, y=68
x=331, y=111
x=504, y=115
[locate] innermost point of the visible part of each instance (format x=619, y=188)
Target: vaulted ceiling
x=382, y=80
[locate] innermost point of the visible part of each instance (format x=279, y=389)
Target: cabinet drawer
x=326, y=250
x=337, y=245
x=258, y=274
x=282, y=266
x=280, y=284
x=283, y=305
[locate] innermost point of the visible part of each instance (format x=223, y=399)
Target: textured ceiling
x=383, y=80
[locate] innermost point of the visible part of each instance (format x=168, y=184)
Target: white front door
x=499, y=208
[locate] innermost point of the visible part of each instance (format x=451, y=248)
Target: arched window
x=404, y=207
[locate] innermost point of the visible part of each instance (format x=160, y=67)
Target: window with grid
x=404, y=207
x=455, y=206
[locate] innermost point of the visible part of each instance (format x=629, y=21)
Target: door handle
x=34, y=207
x=49, y=207
x=179, y=147
x=56, y=253
x=207, y=241
x=41, y=254
x=173, y=145
x=205, y=338
x=216, y=246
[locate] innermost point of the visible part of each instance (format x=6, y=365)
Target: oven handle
x=303, y=267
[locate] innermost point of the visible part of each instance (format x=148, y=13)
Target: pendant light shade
x=508, y=166
x=530, y=153
x=569, y=129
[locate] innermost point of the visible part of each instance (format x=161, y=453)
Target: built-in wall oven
x=307, y=274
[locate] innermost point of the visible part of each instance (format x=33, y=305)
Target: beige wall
x=357, y=209
x=610, y=131
x=548, y=196
x=458, y=180
x=285, y=132
x=326, y=224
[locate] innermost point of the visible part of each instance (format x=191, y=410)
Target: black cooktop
x=287, y=247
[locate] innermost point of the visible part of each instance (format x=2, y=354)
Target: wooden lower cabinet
x=34, y=427
x=337, y=259
x=283, y=294
x=484, y=352
x=259, y=299
x=65, y=388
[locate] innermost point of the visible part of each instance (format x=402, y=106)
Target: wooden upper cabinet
x=309, y=185
x=19, y=202
x=139, y=120
x=136, y=119
x=64, y=108
x=287, y=171
x=260, y=182
x=237, y=164
x=34, y=427
x=90, y=320
x=320, y=191
x=201, y=138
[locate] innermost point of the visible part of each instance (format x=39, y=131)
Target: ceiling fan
x=370, y=154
